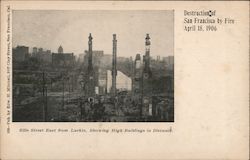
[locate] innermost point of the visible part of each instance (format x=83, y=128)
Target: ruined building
x=137, y=77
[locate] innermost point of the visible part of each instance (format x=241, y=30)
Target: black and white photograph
x=125, y=80
x=93, y=66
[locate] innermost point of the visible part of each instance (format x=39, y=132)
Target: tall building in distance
x=114, y=70
x=60, y=49
x=20, y=53
x=61, y=59
x=97, y=56
x=90, y=71
x=42, y=55
x=169, y=62
x=34, y=51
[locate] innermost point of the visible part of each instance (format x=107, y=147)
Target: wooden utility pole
x=63, y=93
x=45, y=107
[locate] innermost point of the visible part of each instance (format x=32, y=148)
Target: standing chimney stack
x=114, y=70
x=91, y=85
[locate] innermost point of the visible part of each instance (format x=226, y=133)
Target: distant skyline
x=70, y=29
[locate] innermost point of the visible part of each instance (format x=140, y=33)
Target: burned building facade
x=137, y=77
x=142, y=81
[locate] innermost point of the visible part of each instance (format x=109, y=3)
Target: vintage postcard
x=116, y=76
x=124, y=80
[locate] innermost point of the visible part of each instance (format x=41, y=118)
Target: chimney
x=114, y=71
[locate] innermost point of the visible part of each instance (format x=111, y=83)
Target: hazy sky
x=49, y=29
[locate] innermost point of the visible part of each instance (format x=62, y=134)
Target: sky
x=50, y=29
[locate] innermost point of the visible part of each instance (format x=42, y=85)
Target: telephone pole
x=45, y=107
